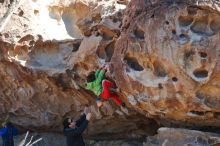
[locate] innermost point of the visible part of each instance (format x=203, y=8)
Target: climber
x=73, y=129
x=97, y=83
x=7, y=134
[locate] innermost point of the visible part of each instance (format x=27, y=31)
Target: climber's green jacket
x=96, y=86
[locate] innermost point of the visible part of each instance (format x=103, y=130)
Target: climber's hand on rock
x=105, y=67
x=86, y=110
x=88, y=116
x=108, y=74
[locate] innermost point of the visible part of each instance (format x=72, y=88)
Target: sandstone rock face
x=166, y=61
x=163, y=56
x=38, y=47
x=176, y=137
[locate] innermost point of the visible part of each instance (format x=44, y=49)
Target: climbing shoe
x=123, y=104
x=99, y=102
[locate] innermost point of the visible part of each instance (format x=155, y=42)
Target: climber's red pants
x=106, y=94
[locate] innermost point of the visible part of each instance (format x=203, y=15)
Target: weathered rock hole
x=152, y=16
x=96, y=18
x=31, y=43
x=200, y=25
x=119, y=14
x=26, y=38
x=97, y=33
x=100, y=53
x=139, y=33
x=214, y=105
x=87, y=33
x=36, y=12
x=122, y=2
x=185, y=20
x=167, y=22
x=133, y=63
x=183, y=38
x=117, y=32
x=120, y=25
x=200, y=73
x=192, y=10
x=200, y=95
x=6, y=35
x=188, y=55
x=159, y=69
x=21, y=13
x=69, y=72
x=215, y=26
x=114, y=20
x=216, y=114
x=76, y=46
x=80, y=67
x=137, y=12
x=174, y=79
x=109, y=50
x=62, y=81
x=94, y=28
x=203, y=54
x=199, y=113
x=160, y=86
x=107, y=36
x=173, y=31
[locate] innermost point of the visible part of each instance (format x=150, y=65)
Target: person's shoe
x=99, y=102
x=123, y=104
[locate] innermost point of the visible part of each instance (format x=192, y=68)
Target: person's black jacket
x=74, y=135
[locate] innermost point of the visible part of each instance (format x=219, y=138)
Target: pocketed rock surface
x=162, y=55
